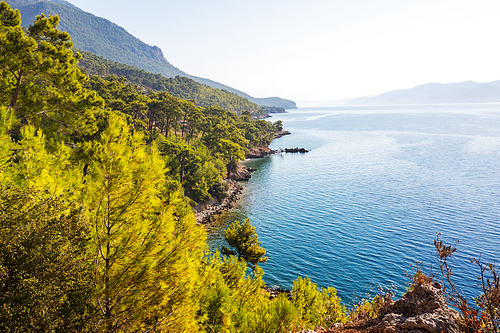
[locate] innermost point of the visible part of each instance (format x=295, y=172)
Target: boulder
x=423, y=309
x=296, y=150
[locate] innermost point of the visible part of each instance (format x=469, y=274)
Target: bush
x=317, y=307
x=483, y=315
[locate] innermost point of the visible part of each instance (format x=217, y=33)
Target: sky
x=318, y=50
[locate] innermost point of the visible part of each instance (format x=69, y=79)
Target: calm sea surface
x=366, y=202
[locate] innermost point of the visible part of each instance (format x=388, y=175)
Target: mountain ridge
x=436, y=93
x=111, y=41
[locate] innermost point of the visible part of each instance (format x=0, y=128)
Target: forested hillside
x=182, y=87
x=96, y=182
x=99, y=36
x=104, y=38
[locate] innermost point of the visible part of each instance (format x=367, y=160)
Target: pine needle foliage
x=244, y=240
x=147, y=244
x=45, y=280
x=317, y=306
x=39, y=77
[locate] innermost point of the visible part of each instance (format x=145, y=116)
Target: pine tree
x=243, y=238
x=39, y=77
x=230, y=153
x=147, y=245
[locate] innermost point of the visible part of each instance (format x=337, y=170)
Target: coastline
x=205, y=213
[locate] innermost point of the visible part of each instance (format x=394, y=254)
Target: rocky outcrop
x=296, y=150
x=242, y=174
x=205, y=213
x=422, y=310
x=258, y=152
x=281, y=133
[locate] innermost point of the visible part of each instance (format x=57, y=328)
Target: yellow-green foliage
x=317, y=307
x=234, y=301
x=369, y=307
x=231, y=296
x=278, y=315
x=147, y=245
x=245, y=241
x=32, y=165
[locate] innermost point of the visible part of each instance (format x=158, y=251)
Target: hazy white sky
x=318, y=49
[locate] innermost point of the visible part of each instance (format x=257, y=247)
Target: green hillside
x=178, y=86
x=102, y=37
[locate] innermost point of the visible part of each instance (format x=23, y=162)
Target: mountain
x=436, y=93
x=105, y=38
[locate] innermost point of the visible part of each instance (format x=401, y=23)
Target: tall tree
x=147, y=243
x=182, y=152
x=230, y=152
x=39, y=76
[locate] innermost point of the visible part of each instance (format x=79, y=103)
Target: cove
x=366, y=202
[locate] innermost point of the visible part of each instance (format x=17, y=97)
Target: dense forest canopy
x=178, y=86
x=96, y=181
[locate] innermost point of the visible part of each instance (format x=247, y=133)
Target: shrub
x=317, y=307
x=483, y=315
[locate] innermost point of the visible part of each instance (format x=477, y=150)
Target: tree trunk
x=13, y=101
x=182, y=162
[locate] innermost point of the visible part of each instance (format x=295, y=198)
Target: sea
x=364, y=206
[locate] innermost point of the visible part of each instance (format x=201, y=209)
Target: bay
x=368, y=199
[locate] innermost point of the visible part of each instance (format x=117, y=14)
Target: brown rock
x=279, y=134
x=423, y=309
x=241, y=175
x=258, y=152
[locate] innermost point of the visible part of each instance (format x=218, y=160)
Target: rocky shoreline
x=205, y=213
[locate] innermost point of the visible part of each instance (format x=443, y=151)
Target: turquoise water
x=367, y=200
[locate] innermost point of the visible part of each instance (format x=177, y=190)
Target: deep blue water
x=368, y=199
